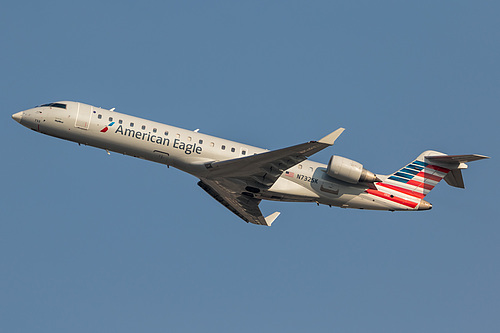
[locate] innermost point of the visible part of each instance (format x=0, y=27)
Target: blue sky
x=91, y=242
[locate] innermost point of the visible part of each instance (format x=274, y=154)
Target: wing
x=262, y=170
x=230, y=181
x=245, y=207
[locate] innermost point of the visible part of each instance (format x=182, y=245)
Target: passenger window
x=300, y=166
x=120, y=121
x=200, y=142
x=154, y=130
x=178, y=136
x=99, y=116
x=189, y=138
x=143, y=127
x=223, y=147
x=212, y=144
x=243, y=152
x=110, y=119
x=233, y=150
x=131, y=124
x=166, y=132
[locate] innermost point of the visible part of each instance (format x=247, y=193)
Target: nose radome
x=18, y=116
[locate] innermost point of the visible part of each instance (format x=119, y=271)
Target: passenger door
x=83, y=116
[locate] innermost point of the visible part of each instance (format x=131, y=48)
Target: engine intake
x=349, y=171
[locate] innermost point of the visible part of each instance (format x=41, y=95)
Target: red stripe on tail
x=421, y=185
x=435, y=167
x=429, y=176
x=403, y=190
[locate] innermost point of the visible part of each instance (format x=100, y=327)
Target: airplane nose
x=18, y=116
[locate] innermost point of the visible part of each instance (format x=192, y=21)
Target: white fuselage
x=189, y=151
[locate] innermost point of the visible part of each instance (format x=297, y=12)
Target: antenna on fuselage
x=112, y=109
x=196, y=130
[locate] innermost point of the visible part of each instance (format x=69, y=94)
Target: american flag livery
x=409, y=185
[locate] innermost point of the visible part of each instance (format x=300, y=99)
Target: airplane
x=240, y=176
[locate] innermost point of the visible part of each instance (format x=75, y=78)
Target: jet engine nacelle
x=349, y=171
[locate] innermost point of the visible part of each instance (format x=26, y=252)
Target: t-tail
x=408, y=186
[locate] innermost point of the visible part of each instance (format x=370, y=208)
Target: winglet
x=330, y=138
x=270, y=219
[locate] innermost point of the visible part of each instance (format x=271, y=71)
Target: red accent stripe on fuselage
x=403, y=190
x=392, y=198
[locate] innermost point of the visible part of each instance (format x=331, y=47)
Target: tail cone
x=424, y=205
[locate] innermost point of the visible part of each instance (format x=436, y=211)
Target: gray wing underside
x=244, y=206
x=228, y=180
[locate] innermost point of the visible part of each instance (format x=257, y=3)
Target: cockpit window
x=55, y=105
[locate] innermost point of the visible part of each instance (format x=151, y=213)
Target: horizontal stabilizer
x=456, y=158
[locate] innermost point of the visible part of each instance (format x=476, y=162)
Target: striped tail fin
x=406, y=188
x=419, y=177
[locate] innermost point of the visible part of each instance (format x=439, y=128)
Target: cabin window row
x=223, y=147
x=143, y=127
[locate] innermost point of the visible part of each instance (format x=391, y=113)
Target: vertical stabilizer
x=410, y=184
x=454, y=178
x=419, y=177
